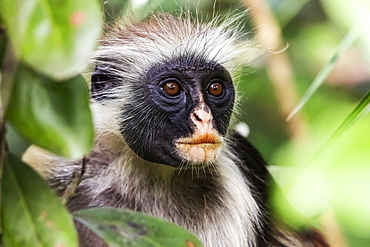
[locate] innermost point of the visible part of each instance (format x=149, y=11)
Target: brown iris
x=215, y=89
x=172, y=88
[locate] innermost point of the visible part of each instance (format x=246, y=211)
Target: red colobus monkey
x=163, y=99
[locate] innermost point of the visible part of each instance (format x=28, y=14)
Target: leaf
x=129, y=228
x=54, y=116
x=31, y=213
x=326, y=69
x=56, y=37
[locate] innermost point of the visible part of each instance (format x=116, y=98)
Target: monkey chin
x=199, y=149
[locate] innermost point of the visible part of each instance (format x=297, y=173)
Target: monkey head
x=170, y=84
x=175, y=114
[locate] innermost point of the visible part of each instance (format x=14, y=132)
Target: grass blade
x=324, y=72
x=362, y=108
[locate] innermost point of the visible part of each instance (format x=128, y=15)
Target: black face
x=158, y=111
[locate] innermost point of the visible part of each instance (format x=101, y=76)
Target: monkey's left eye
x=215, y=89
x=172, y=88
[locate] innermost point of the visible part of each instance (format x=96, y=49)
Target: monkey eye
x=215, y=89
x=172, y=88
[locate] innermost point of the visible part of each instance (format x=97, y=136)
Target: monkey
x=163, y=98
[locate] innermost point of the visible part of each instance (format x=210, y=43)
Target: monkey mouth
x=199, y=148
x=204, y=139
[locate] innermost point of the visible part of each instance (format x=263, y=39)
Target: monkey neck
x=210, y=201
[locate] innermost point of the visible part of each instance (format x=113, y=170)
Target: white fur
x=235, y=225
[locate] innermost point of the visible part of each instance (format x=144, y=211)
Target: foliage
x=31, y=211
x=129, y=228
x=44, y=100
x=56, y=37
x=38, y=109
x=323, y=172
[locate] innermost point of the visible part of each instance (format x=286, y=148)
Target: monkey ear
x=102, y=82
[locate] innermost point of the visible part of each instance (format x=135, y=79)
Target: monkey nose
x=202, y=118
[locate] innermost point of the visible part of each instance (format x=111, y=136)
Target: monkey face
x=178, y=113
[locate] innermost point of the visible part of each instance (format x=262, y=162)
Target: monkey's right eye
x=172, y=88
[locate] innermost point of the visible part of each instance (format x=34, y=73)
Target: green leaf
x=54, y=116
x=129, y=228
x=56, y=37
x=31, y=213
x=326, y=69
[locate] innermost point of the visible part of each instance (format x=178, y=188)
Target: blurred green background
x=316, y=57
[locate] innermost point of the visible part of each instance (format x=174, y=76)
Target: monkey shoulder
x=59, y=171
